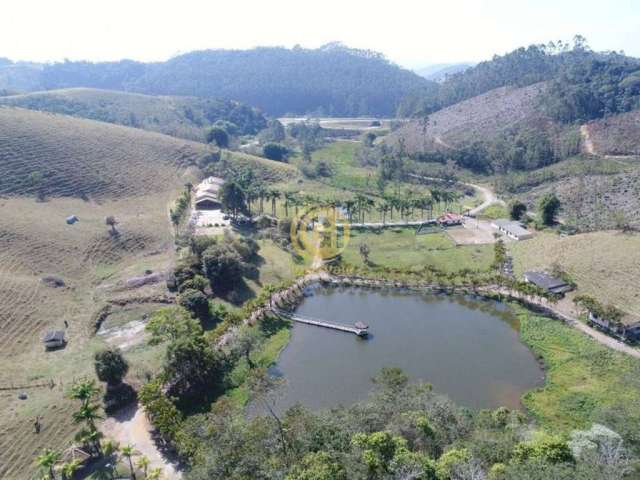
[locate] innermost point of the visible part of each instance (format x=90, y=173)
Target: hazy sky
x=411, y=33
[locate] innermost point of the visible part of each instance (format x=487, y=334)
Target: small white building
x=512, y=229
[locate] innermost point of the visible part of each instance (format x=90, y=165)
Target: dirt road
x=131, y=427
x=488, y=195
x=566, y=311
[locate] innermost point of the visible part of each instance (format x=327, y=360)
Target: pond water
x=467, y=348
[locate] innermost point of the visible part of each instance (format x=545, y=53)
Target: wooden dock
x=361, y=332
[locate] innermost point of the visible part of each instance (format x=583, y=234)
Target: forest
x=331, y=80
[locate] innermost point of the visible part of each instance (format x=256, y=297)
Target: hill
x=496, y=132
x=438, y=72
x=51, y=167
x=481, y=117
x=616, y=135
x=184, y=117
x=331, y=80
x=584, y=84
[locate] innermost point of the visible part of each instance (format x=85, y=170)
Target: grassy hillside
x=184, y=117
x=59, y=155
x=605, y=265
x=92, y=170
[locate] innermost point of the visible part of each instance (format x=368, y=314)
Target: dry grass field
x=605, y=265
x=91, y=170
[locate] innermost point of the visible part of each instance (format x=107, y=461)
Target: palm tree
x=428, y=204
x=84, y=391
x=70, y=468
x=383, y=208
x=91, y=439
x=349, y=205
x=366, y=208
x=143, y=464
x=188, y=187
x=436, y=195
x=262, y=194
x=288, y=198
x=128, y=452
x=274, y=195
x=88, y=413
x=154, y=474
x=47, y=461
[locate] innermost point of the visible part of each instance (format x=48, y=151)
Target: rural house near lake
x=547, y=282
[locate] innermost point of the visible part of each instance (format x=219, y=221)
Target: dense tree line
x=518, y=148
x=404, y=431
x=584, y=84
x=332, y=80
x=594, y=86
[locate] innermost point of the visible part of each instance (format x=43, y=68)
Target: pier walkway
x=361, y=332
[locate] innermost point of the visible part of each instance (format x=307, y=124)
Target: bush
x=219, y=136
x=198, y=282
x=223, y=267
x=196, y=303
x=275, y=151
x=111, y=367
x=549, y=206
x=516, y=210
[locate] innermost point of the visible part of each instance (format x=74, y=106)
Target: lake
x=467, y=348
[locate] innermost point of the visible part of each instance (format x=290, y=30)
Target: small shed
x=72, y=219
x=512, y=229
x=547, y=282
x=54, y=339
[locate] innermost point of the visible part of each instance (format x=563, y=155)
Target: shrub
x=219, y=136
x=196, y=303
x=223, y=267
x=275, y=151
x=111, y=367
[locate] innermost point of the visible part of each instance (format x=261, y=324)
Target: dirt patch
x=130, y=426
x=472, y=232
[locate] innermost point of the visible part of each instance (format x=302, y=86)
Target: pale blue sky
x=411, y=33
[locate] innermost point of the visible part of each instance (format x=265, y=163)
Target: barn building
x=512, y=229
x=208, y=194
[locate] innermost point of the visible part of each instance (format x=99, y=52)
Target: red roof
x=450, y=217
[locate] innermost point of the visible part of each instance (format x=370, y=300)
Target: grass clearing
x=583, y=378
x=605, y=265
x=493, y=212
x=402, y=248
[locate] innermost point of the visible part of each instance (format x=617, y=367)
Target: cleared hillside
x=483, y=117
x=616, y=135
x=184, y=117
